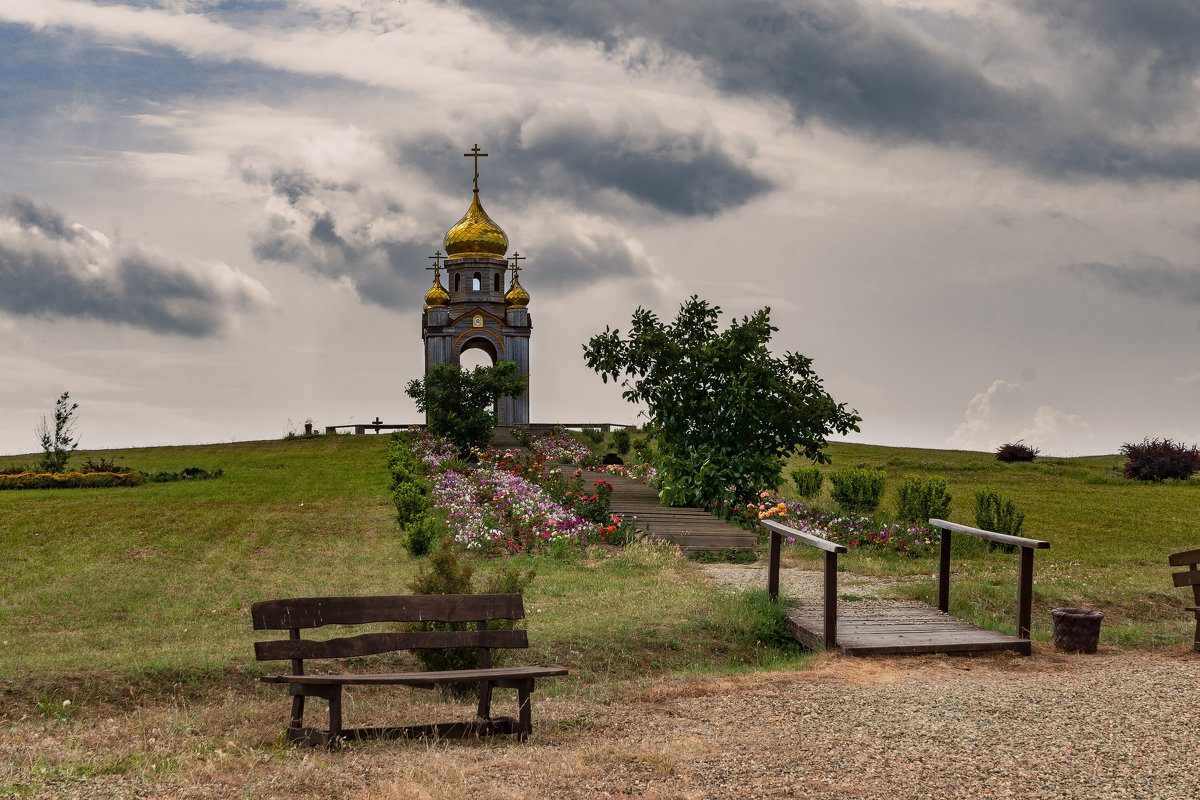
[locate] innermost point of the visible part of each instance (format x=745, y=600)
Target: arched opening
x=480, y=353
x=476, y=282
x=497, y=282
x=456, y=279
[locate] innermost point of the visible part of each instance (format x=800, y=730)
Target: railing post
x=1025, y=593
x=944, y=571
x=831, y=598
x=773, y=566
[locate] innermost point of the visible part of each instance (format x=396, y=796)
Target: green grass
x=152, y=584
x=1109, y=538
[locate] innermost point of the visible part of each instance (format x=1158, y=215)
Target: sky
x=978, y=217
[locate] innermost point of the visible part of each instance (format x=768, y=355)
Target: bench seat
x=495, y=675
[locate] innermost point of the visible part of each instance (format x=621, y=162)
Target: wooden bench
x=313, y=612
x=1189, y=577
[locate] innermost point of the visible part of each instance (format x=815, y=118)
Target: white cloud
x=1006, y=413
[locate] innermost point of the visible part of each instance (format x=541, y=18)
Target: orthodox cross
x=517, y=258
x=475, y=154
x=437, y=264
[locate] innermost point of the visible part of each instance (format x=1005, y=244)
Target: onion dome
x=516, y=297
x=437, y=297
x=475, y=235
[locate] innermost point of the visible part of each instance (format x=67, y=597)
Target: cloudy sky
x=981, y=219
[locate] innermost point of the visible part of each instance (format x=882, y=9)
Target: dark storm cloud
x=328, y=231
x=52, y=268
x=1157, y=278
x=565, y=153
x=861, y=68
x=1163, y=33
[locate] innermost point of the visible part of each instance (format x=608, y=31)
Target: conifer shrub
x=995, y=512
x=857, y=489
x=621, y=441
x=1160, y=459
x=921, y=499
x=410, y=492
x=808, y=481
x=1012, y=452
x=447, y=572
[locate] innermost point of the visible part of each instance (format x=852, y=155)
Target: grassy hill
x=154, y=582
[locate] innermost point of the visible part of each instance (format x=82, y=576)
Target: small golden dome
x=516, y=297
x=475, y=235
x=437, y=297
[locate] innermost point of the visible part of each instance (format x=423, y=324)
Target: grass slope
x=152, y=585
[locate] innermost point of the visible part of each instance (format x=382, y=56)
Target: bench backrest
x=1190, y=576
x=296, y=614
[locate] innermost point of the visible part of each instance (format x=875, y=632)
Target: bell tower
x=477, y=310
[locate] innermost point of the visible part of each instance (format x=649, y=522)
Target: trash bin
x=1076, y=630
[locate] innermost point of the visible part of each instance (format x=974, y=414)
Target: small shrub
x=186, y=474
x=70, y=480
x=446, y=573
x=857, y=488
x=643, y=449
x=1016, y=451
x=808, y=481
x=621, y=441
x=16, y=469
x=995, y=512
x=921, y=499
x=421, y=533
x=593, y=435
x=103, y=465
x=1160, y=459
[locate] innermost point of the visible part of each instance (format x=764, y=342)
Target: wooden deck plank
x=903, y=627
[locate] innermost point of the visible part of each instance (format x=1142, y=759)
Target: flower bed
x=500, y=504
x=851, y=530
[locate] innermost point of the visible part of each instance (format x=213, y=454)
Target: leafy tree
x=460, y=403
x=728, y=412
x=58, y=444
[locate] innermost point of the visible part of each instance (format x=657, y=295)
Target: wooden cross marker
x=475, y=154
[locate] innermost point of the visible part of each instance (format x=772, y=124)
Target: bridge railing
x=1025, y=576
x=831, y=549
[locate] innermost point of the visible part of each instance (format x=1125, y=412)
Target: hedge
x=70, y=480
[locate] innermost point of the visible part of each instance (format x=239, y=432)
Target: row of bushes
x=411, y=493
x=859, y=490
x=70, y=480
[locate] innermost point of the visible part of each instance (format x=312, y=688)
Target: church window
x=497, y=282
x=476, y=281
x=456, y=278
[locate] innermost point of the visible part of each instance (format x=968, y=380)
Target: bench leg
x=297, y=711
x=525, y=714
x=335, y=712
x=485, y=700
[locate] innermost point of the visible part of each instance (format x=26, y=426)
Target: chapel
x=483, y=307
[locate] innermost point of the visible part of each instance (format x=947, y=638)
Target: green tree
x=728, y=412
x=59, y=443
x=460, y=403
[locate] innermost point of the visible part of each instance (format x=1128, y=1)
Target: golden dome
x=516, y=297
x=475, y=235
x=437, y=297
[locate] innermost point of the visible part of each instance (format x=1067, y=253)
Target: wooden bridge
x=900, y=627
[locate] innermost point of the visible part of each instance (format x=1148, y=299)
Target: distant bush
x=16, y=469
x=857, y=488
x=995, y=512
x=1160, y=459
x=808, y=481
x=643, y=449
x=621, y=441
x=70, y=480
x=921, y=499
x=103, y=465
x=186, y=474
x=593, y=435
x=1016, y=451
x=410, y=488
